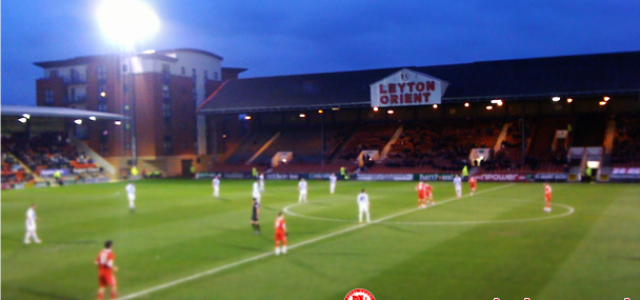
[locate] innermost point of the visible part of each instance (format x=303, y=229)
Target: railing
x=74, y=80
x=77, y=99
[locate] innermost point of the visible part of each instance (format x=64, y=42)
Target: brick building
x=159, y=90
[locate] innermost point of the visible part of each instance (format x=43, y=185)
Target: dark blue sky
x=295, y=37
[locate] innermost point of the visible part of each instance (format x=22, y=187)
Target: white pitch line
x=570, y=210
x=267, y=254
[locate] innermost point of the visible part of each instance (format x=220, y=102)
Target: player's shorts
x=254, y=218
x=107, y=280
x=422, y=196
x=547, y=198
x=472, y=185
x=429, y=195
x=31, y=226
x=132, y=197
x=280, y=236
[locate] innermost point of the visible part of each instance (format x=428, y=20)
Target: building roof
x=82, y=60
x=522, y=79
x=190, y=50
x=58, y=112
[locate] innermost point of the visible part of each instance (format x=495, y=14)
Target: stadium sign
x=385, y=177
x=319, y=176
x=407, y=88
x=502, y=177
x=625, y=174
x=50, y=172
x=278, y=176
x=551, y=177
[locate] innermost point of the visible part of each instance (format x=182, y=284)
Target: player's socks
x=100, y=296
x=277, y=250
x=114, y=295
x=284, y=249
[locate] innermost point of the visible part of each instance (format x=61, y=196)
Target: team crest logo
x=404, y=76
x=359, y=294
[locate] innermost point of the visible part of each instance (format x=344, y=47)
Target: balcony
x=76, y=99
x=74, y=80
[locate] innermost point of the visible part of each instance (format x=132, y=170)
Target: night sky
x=296, y=37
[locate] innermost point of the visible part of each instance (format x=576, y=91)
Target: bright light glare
x=92, y=118
x=302, y=115
x=117, y=123
x=555, y=99
x=375, y=108
x=466, y=104
x=569, y=100
x=391, y=112
x=28, y=116
x=606, y=98
x=22, y=120
x=78, y=121
x=127, y=21
x=489, y=107
x=247, y=117
x=435, y=106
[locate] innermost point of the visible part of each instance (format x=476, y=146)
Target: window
x=165, y=91
x=183, y=71
x=72, y=95
x=74, y=75
x=166, y=110
x=215, y=75
x=101, y=73
x=166, y=72
x=53, y=74
x=167, y=145
x=48, y=96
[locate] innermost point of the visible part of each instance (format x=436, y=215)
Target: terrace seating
x=367, y=137
x=626, y=143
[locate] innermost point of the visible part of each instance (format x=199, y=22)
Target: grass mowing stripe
x=310, y=241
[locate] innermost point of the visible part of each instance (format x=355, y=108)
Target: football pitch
x=181, y=243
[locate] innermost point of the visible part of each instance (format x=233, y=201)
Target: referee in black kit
x=254, y=216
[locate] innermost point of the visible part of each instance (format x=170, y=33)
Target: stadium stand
x=626, y=149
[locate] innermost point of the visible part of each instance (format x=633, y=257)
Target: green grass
x=179, y=230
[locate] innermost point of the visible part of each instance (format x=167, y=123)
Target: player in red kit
x=422, y=194
x=472, y=184
x=547, y=197
x=429, y=192
x=106, y=268
x=281, y=234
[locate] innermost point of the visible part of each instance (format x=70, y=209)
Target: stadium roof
x=58, y=112
x=519, y=79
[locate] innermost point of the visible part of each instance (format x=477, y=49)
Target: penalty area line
x=307, y=242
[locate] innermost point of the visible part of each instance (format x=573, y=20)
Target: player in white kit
x=363, y=205
x=302, y=187
x=256, y=191
x=332, y=183
x=31, y=226
x=131, y=194
x=216, y=187
x=261, y=177
x=457, y=182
